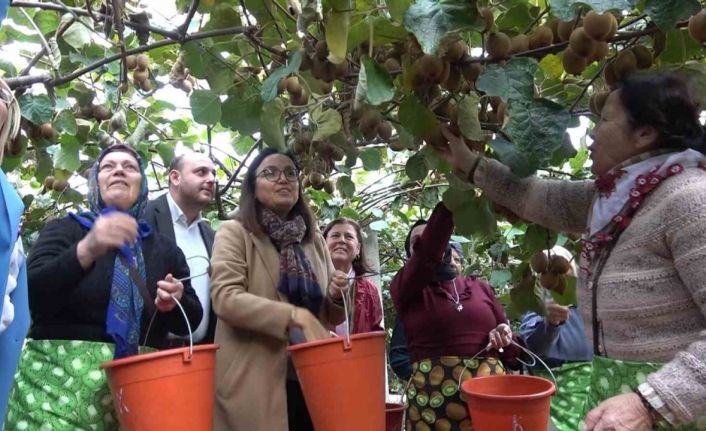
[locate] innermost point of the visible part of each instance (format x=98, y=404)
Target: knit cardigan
x=651, y=299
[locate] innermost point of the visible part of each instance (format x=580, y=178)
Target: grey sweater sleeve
x=558, y=205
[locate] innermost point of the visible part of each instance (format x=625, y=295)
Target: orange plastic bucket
x=343, y=384
x=394, y=415
x=511, y=402
x=167, y=390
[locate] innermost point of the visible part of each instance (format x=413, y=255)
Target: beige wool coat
x=251, y=364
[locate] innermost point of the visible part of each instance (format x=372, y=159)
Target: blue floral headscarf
x=123, y=317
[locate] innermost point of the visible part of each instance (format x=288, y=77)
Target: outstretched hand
x=457, y=154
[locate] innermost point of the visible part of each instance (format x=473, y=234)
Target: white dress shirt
x=191, y=243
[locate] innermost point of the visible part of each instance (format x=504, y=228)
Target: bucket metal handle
x=187, y=358
x=347, y=339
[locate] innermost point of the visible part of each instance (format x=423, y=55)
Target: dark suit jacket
x=157, y=214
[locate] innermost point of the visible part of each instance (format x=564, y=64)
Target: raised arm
x=428, y=252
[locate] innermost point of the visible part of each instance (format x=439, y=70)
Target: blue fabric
x=12, y=339
x=124, y=314
x=556, y=345
x=4, y=6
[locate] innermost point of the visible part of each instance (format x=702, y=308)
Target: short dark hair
x=249, y=215
x=360, y=263
x=177, y=163
x=663, y=100
x=407, y=240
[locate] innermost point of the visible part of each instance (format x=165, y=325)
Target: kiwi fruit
x=299, y=99
x=46, y=130
x=14, y=147
x=326, y=87
x=187, y=86
x=140, y=75
x=596, y=102
x=549, y=280
x=293, y=86
x=445, y=72
x=321, y=49
x=281, y=85
x=643, y=55
x=392, y=64
x=498, y=45
x=487, y=15
x=599, y=26
x=337, y=153
x=436, y=139
x=625, y=64
x=542, y=36
x=124, y=87
x=430, y=67
x=101, y=113
x=146, y=85
x=581, y=44
x=329, y=187
x=539, y=262
x=306, y=62
x=471, y=71
x=559, y=265
x=341, y=68
x=317, y=180
x=142, y=62
x=384, y=130
x=305, y=182
x=697, y=26
x=60, y=185
x=456, y=50
x=130, y=62
x=573, y=63
x=49, y=182
x=453, y=81
x=553, y=24
x=601, y=51
x=564, y=29
x=368, y=124
x=395, y=145
x=519, y=43
x=500, y=112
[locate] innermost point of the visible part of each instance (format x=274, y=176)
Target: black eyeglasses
x=273, y=174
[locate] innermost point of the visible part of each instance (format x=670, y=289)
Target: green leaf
x=273, y=124
x=500, y=278
x=371, y=158
x=166, y=153
x=474, y=217
x=243, y=144
x=337, y=23
x=679, y=47
x=538, y=238
x=374, y=83
x=269, y=86
x=345, y=185
x=468, y=117
x=666, y=13
x=67, y=157
x=513, y=81
x=551, y=66
x=350, y=213
x=196, y=59
x=416, y=168
x=431, y=20
x=78, y=35
x=241, y=114
x=47, y=21
x=566, y=9
x=205, y=106
x=219, y=77
x=378, y=225
x=696, y=71
x=516, y=18
x=65, y=122
x=37, y=109
x=415, y=117
x=526, y=296
x=568, y=296
x=384, y=31
x=223, y=15
x=397, y=8
x=328, y=122
x=511, y=157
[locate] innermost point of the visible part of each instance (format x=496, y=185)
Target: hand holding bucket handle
x=499, y=337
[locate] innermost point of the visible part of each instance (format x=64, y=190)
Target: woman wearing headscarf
x=273, y=284
x=14, y=310
x=641, y=285
x=344, y=241
x=97, y=280
x=454, y=326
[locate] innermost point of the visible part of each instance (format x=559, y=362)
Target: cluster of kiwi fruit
x=500, y=45
x=588, y=40
x=315, y=157
x=315, y=59
x=140, y=67
x=552, y=270
x=180, y=77
x=50, y=183
x=298, y=95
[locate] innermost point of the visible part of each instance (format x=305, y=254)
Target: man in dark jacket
x=177, y=215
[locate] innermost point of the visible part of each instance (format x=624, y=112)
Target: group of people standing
x=104, y=283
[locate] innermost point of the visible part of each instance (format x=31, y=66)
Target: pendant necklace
x=456, y=301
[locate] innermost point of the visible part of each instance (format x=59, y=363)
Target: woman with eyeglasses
x=272, y=284
x=97, y=281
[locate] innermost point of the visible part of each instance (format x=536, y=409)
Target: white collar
x=177, y=214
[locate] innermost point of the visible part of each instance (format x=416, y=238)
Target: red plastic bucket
x=168, y=390
x=343, y=384
x=394, y=415
x=509, y=402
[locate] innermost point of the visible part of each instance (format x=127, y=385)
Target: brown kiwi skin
x=598, y=26
x=581, y=44
x=697, y=26
x=498, y=45
x=519, y=43
x=542, y=37
x=572, y=62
